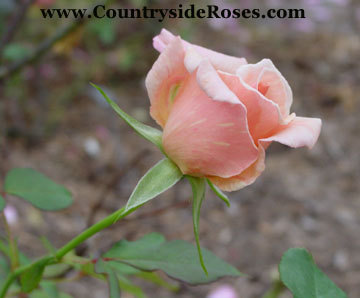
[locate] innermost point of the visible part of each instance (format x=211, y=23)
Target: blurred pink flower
x=230, y=24
x=223, y=291
x=340, y=2
x=321, y=13
x=303, y=25
x=274, y=3
x=11, y=214
x=310, y=3
x=318, y=9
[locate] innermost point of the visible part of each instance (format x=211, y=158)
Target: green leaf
x=113, y=284
x=2, y=203
x=15, y=51
x=37, y=189
x=157, y=280
x=64, y=295
x=81, y=264
x=38, y=294
x=122, y=269
x=45, y=294
x=47, y=244
x=149, y=133
x=304, y=279
x=157, y=180
x=4, y=270
x=198, y=189
x=219, y=193
x=89, y=269
x=178, y=259
x=105, y=29
x=31, y=278
x=125, y=270
x=4, y=248
x=102, y=267
x=55, y=270
x=50, y=289
x=128, y=286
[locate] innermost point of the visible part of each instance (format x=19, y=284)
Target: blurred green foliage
x=114, y=51
x=15, y=51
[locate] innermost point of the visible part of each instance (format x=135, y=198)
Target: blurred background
x=52, y=120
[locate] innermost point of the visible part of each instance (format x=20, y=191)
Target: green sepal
x=158, y=179
x=198, y=187
x=147, y=132
x=218, y=192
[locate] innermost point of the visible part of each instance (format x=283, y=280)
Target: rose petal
x=192, y=60
x=262, y=114
x=246, y=178
x=167, y=71
x=211, y=83
x=265, y=77
x=220, y=61
x=298, y=133
x=162, y=40
x=207, y=134
x=301, y=131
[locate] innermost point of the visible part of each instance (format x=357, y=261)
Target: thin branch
x=44, y=46
x=41, y=50
x=15, y=23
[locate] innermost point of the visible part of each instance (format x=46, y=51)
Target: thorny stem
x=57, y=256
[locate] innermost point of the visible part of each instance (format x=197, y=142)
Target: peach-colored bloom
x=219, y=113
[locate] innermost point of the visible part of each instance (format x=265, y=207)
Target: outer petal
x=299, y=132
x=262, y=114
x=247, y=177
x=265, y=77
x=220, y=61
x=161, y=41
x=167, y=72
x=209, y=80
x=206, y=132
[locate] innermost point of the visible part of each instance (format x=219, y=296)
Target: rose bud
x=219, y=113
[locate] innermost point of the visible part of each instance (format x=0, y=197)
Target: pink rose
x=219, y=113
